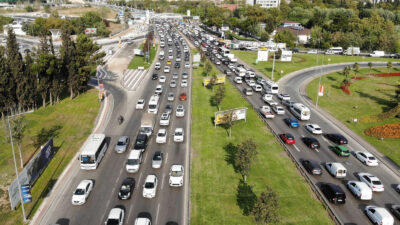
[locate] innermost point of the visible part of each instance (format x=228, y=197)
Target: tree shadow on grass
x=231, y=150
x=245, y=197
x=212, y=101
x=45, y=134
x=388, y=104
x=331, y=78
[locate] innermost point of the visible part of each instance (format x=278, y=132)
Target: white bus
x=153, y=104
x=271, y=87
x=224, y=51
x=93, y=151
x=300, y=111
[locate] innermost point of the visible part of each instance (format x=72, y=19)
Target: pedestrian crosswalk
x=132, y=79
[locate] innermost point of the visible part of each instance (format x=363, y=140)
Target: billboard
x=31, y=172
x=262, y=55
x=286, y=56
x=90, y=30
x=220, y=79
x=222, y=117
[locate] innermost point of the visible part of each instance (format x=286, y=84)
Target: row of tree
x=44, y=76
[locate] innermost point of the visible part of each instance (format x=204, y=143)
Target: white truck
x=266, y=112
x=377, y=54
x=231, y=57
x=352, y=51
x=147, y=124
x=240, y=71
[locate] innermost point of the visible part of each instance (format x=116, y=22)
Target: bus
x=300, y=111
x=93, y=151
x=223, y=51
x=271, y=87
x=153, y=104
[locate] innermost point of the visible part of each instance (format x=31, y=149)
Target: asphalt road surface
x=170, y=204
x=353, y=211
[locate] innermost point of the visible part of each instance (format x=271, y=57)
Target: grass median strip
x=299, y=61
x=70, y=122
x=217, y=196
x=369, y=97
x=138, y=61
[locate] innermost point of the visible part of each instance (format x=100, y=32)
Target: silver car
x=156, y=163
x=122, y=144
x=172, y=84
x=171, y=96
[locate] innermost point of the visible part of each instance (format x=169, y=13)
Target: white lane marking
x=130, y=212
x=140, y=177
x=158, y=210
x=166, y=158
x=162, y=181
x=145, y=157
x=296, y=148
x=302, y=136
x=316, y=150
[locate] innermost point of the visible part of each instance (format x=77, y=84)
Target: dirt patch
x=384, y=131
x=115, y=27
x=103, y=11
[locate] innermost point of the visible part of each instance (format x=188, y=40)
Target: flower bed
x=384, y=131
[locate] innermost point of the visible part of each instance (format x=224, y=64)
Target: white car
x=218, y=62
x=372, y=181
x=115, y=217
x=267, y=97
x=312, y=51
x=187, y=65
x=176, y=176
x=161, y=136
x=284, y=97
x=367, y=158
x=164, y=120
x=278, y=110
x=170, y=56
x=180, y=111
x=159, y=89
x=166, y=69
x=238, y=80
x=266, y=112
x=379, y=215
x=271, y=102
x=157, y=66
x=359, y=189
x=178, y=59
x=179, y=135
x=218, y=56
x=172, y=84
x=251, y=83
x=314, y=128
x=140, y=104
x=257, y=88
x=81, y=193
x=162, y=79
x=184, y=83
x=170, y=50
x=171, y=96
x=150, y=186
x=250, y=73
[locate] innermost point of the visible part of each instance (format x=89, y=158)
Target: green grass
x=213, y=180
x=368, y=97
x=138, y=61
x=240, y=37
x=76, y=119
x=299, y=61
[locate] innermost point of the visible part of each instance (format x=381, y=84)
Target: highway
x=170, y=204
x=352, y=211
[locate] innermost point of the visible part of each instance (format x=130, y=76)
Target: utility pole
x=319, y=83
x=273, y=68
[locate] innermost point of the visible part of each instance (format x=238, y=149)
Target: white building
x=17, y=28
x=264, y=3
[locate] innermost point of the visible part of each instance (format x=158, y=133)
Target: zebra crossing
x=132, y=78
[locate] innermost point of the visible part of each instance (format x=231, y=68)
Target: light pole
x=273, y=68
x=15, y=163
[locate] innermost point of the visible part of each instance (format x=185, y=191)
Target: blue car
x=291, y=122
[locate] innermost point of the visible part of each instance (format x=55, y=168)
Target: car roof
x=128, y=180
x=83, y=183
x=162, y=130
x=178, y=129
x=177, y=168
x=114, y=213
x=123, y=138
x=335, y=188
x=150, y=178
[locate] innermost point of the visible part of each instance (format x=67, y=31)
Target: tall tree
x=18, y=129
x=266, y=208
x=346, y=73
x=68, y=58
x=246, y=153
x=207, y=67
x=6, y=81
x=370, y=67
x=16, y=66
x=219, y=96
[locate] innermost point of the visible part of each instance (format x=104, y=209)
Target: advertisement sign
x=262, y=55
x=222, y=117
x=90, y=30
x=286, y=56
x=220, y=79
x=31, y=172
x=26, y=193
x=137, y=51
x=196, y=58
x=321, y=90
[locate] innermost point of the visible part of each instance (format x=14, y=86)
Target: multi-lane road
x=353, y=211
x=170, y=204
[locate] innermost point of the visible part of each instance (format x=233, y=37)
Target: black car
x=141, y=142
x=154, y=76
x=161, y=57
x=311, y=142
x=207, y=53
x=336, y=138
x=333, y=193
x=168, y=108
x=126, y=189
x=186, y=58
x=312, y=167
x=177, y=65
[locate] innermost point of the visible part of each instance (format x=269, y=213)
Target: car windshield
x=112, y=222
x=86, y=159
x=149, y=185
x=79, y=192
x=139, y=142
x=145, y=129
x=178, y=133
x=376, y=182
x=161, y=134
x=176, y=173
x=133, y=162
x=371, y=158
x=121, y=143
x=125, y=187
x=157, y=157
x=317, y=128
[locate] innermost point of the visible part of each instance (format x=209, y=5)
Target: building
x=16, y=27
x=288, y=23
x=264, y=3
x=231, y=7
x=303, y=34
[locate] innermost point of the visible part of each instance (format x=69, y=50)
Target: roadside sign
x=321, y=90
x=26, y=193
x=101, y=86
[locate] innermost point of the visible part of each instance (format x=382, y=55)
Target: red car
x=287, y=138
x=182, y=96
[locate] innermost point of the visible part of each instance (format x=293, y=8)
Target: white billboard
x=286, y=56
x=262, y=55
x=221, y=117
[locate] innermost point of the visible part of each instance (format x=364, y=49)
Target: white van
x=134, y=160
x=360, y=189
x=379, y=215
x=377, y=54
x=142, y=221
x=336, y=169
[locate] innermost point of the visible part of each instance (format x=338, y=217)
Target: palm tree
x=370, y=67
x=389, y=66
x=356, y=68
x=346, y=73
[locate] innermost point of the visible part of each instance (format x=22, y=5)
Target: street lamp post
x=15, y=164
x=273, y=68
